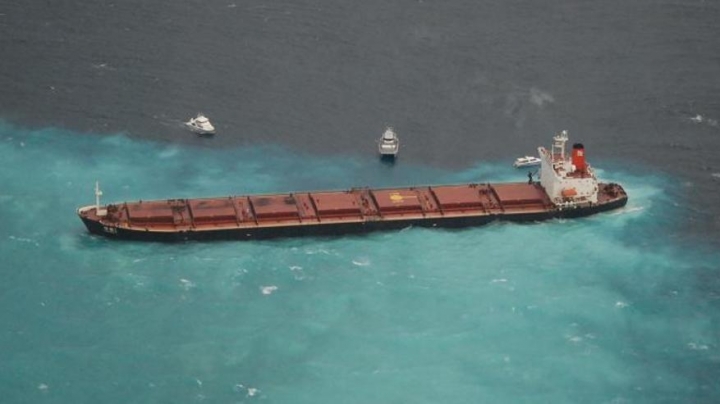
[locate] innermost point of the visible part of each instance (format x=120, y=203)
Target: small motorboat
x=389, y=143
x=526, y=161
x=201, y=125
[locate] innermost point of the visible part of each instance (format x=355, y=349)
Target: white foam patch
x=102, y=66
x=540, y=98
x=361, y=262
x=24, y=240
x=699, y=119
x=626, y=210
x=267, y=290
x=297, y=272
x=249, y=391
x=319, y=251
x=186, y=284
x=138, y=282
x=169, y=152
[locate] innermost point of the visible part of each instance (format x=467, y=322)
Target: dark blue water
x=619, y=307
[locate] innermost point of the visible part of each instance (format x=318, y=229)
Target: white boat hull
x=200, y=131
x=389, y=151
x=521, y=165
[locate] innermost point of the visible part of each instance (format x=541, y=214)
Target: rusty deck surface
x=351, y=206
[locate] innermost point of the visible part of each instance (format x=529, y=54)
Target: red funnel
x=578, y=157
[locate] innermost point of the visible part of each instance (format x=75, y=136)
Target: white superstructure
x=389, y=143
x=567, y=179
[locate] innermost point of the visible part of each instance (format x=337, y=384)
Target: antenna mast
x=558, y=147
x=98, y=194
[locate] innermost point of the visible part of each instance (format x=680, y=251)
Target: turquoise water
x=619, y=307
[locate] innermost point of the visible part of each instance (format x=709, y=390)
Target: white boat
x=527, y=161
x=389, y=143
x=200, y=125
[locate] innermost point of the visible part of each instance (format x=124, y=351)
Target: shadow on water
x=388, y=160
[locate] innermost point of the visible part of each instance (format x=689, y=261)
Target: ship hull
x=331, y=229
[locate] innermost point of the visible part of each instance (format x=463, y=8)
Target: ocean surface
x=621, y=307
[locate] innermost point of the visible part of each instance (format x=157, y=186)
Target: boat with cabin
x=200, y=125
x=389, y=143
x=527, y=161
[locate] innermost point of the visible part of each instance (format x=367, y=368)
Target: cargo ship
x=567, y=188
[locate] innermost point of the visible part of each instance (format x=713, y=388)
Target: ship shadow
x=388, y=160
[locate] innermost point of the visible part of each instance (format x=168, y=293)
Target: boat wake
x=362, y=262
x=24, y=240
x=699, y=119
x=187, y=284
x=627, y=210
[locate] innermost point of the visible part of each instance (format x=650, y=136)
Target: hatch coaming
x=352, y=206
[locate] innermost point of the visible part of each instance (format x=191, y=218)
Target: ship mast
x=98, y=194
x=558, y=147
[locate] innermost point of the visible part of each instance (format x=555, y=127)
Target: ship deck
x=325, y=207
